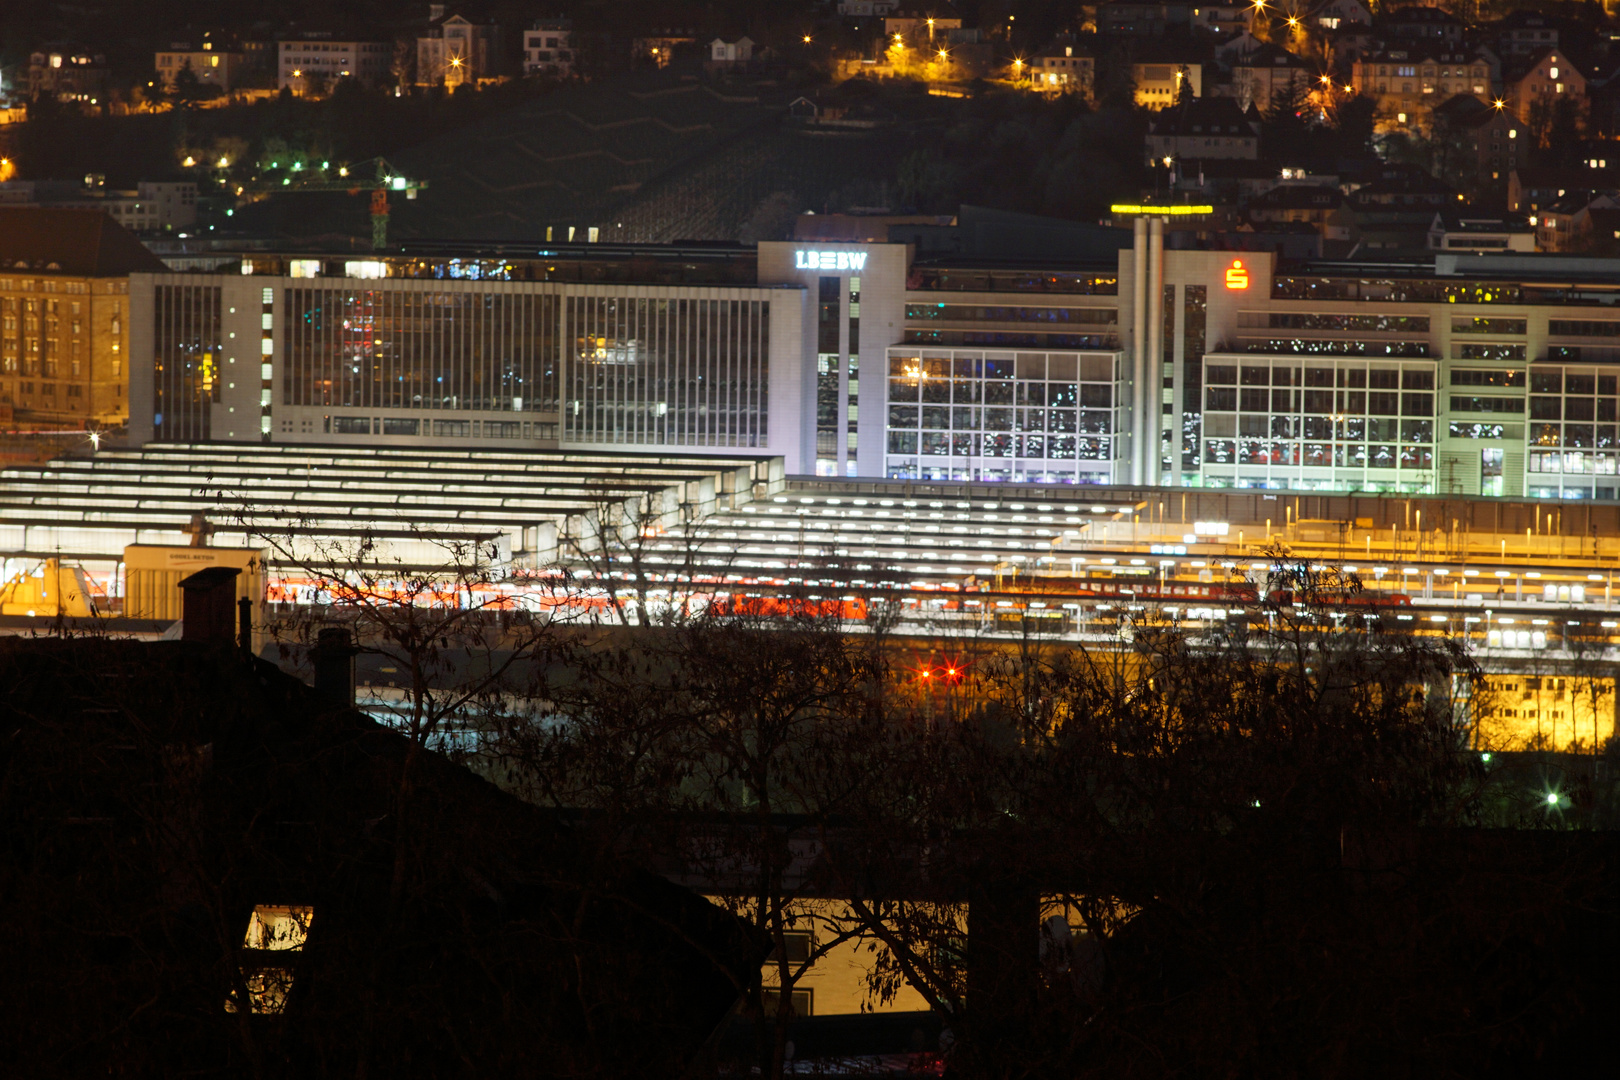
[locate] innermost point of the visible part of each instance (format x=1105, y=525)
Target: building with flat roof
x=153, y=206
x=1447, y=372
x=313, y=63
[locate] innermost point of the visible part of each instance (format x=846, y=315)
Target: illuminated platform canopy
x=88, y=508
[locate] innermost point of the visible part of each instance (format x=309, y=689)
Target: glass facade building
x=1493, y=375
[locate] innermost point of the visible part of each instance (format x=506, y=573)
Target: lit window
x=271, y=929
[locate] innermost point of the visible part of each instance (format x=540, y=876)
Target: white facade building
x=307, y=64
x=1456, y=374
x=548, y=48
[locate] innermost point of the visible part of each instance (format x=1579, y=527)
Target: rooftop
x=416, y=499
x=88, y=243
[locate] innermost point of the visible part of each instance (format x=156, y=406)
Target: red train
x=788, y=607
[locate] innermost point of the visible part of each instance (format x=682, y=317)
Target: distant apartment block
x=223, y=68
x=548, y=49
x=314, y=64
x=152, y=207
x=1064, y=68
x=67, y=72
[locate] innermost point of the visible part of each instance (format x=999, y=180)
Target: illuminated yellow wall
x=64, y=344
x=1551, y=712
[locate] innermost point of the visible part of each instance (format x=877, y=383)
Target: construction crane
x=347, y=178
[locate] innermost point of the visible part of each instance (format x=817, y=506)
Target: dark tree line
x=1260, y=853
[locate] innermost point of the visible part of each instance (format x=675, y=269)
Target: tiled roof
x=84, y=242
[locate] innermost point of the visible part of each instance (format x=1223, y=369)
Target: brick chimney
x=208, y=605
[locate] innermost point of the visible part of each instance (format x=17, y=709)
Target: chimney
x=435, y=12
x=333, y=657
x=244, y=626
x=207, y=600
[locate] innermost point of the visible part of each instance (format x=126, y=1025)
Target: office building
x=1456, y=373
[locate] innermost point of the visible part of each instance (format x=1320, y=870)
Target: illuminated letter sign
x=1237, y=275
x=845, y=261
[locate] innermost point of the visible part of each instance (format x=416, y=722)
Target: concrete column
x=1139, y=315
x=1155, y=353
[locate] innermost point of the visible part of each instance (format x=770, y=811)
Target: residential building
x=921, y=26
x=1143, y=18
x=1161, y=83
x=1567, y=225
x=548, y=48
x=1429, y=25
x=154, y=206
x=1410, y=81
x=1458, y=231
x=1393, y=211
x=1064, y=67
x=1296, y=203
x=1487, y=133
x=729, y=53
x=1342, y=14
x=64, y=315
x=312, y=63
x=67, y=72
x=1524, y=33
x=1532, y=188
x=1203, y=128
x=1534, y=86
x=456, y=51
x=1223, y=19
x=1267, y=75
x=213, y=67
x=147, y=722
x=659, y=48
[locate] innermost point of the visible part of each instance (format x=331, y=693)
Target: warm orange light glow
x=1237, y=275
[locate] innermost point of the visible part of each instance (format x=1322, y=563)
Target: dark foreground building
x=206, y=873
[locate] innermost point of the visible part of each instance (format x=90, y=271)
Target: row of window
x=1325, y=428
x=985, y=313
x=456, y=429
x=1370, y=403
x=1098, y=421
x=1338, y=455
x=1056, y=447
x=1355, y=377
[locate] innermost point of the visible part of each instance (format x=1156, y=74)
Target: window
x=797, y=945
x=273, y=932
x=800, y=1002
